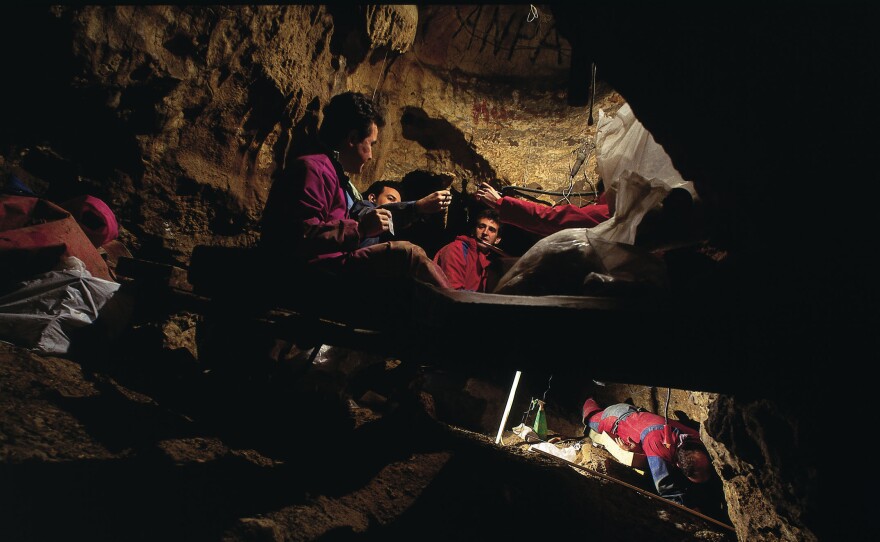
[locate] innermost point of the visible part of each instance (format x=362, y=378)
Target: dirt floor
x=157, y=448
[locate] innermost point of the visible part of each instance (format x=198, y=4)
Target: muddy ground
x=156, y=448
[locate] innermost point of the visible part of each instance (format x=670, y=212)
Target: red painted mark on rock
x=495, y=113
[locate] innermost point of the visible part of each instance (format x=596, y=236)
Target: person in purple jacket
x=307, y=219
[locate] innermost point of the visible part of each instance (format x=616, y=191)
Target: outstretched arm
x=407, y=212
x=543, y=219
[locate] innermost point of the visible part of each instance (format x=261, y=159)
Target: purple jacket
x=306, y=214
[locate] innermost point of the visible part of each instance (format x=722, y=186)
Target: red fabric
x=632, y=426
x=590, y=408
x=465, y=271
x=545, y=220
x=94, y=217
x=36, y=235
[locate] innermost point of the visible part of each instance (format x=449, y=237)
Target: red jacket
x=466, y=267
x=635, y=424
x=544, y=219
x=646, y=429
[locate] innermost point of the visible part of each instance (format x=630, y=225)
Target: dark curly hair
x=346, y=112
x=686, y=456
x=379, y=186
x=491, y=214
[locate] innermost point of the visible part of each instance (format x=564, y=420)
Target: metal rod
x=639, y=490
x=492, y=248
x=512, y=188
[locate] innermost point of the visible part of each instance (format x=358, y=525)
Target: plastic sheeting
x=41, y=312
x=578, y=262
x=602, y=260
x=624, y=147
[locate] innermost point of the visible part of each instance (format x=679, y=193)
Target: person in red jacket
x=674, y=450
x=543, y=219
x=307, y=219
x=466, y=260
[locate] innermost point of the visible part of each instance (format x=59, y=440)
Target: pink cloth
x=94, y=217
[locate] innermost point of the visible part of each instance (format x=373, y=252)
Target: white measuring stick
x=509, y=404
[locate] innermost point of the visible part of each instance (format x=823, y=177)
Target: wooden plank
x=639, y=462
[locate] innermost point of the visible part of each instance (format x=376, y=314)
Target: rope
x=533, y=13
x=380, y=74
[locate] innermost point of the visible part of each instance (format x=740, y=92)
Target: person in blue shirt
x=385, y=196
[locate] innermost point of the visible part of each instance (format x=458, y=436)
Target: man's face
x=487, y=231
x=388, y=195
x=357, y=152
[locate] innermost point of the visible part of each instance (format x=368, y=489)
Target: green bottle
x=540, y=421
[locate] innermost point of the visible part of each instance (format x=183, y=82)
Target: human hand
x=629, y=445
x=434, y=202
x=488, y=195
x=375, y=222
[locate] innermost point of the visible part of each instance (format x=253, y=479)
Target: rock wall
x=181, y=116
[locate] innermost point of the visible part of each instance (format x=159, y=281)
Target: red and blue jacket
x=630, y=424
x=466, y=267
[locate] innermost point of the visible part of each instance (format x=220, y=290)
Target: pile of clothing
x=55, y=275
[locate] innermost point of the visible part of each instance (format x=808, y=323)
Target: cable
x=544, y=397
x=666, y=412
x=514, y=188
x=533, y=13
x=593, y=92
x=380, y=74
x=667, y=434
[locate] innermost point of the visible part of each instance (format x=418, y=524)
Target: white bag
x=41, y=312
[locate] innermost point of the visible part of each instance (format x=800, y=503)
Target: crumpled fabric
x=569, y=453
x=603, y=260
x=94, y=217
x=624, y=146
x=36, y=235
x=41, y=312
x=576, y=261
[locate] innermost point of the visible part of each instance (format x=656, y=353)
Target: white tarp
x=638, y=175
x=636, y=171
x=41, y=312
